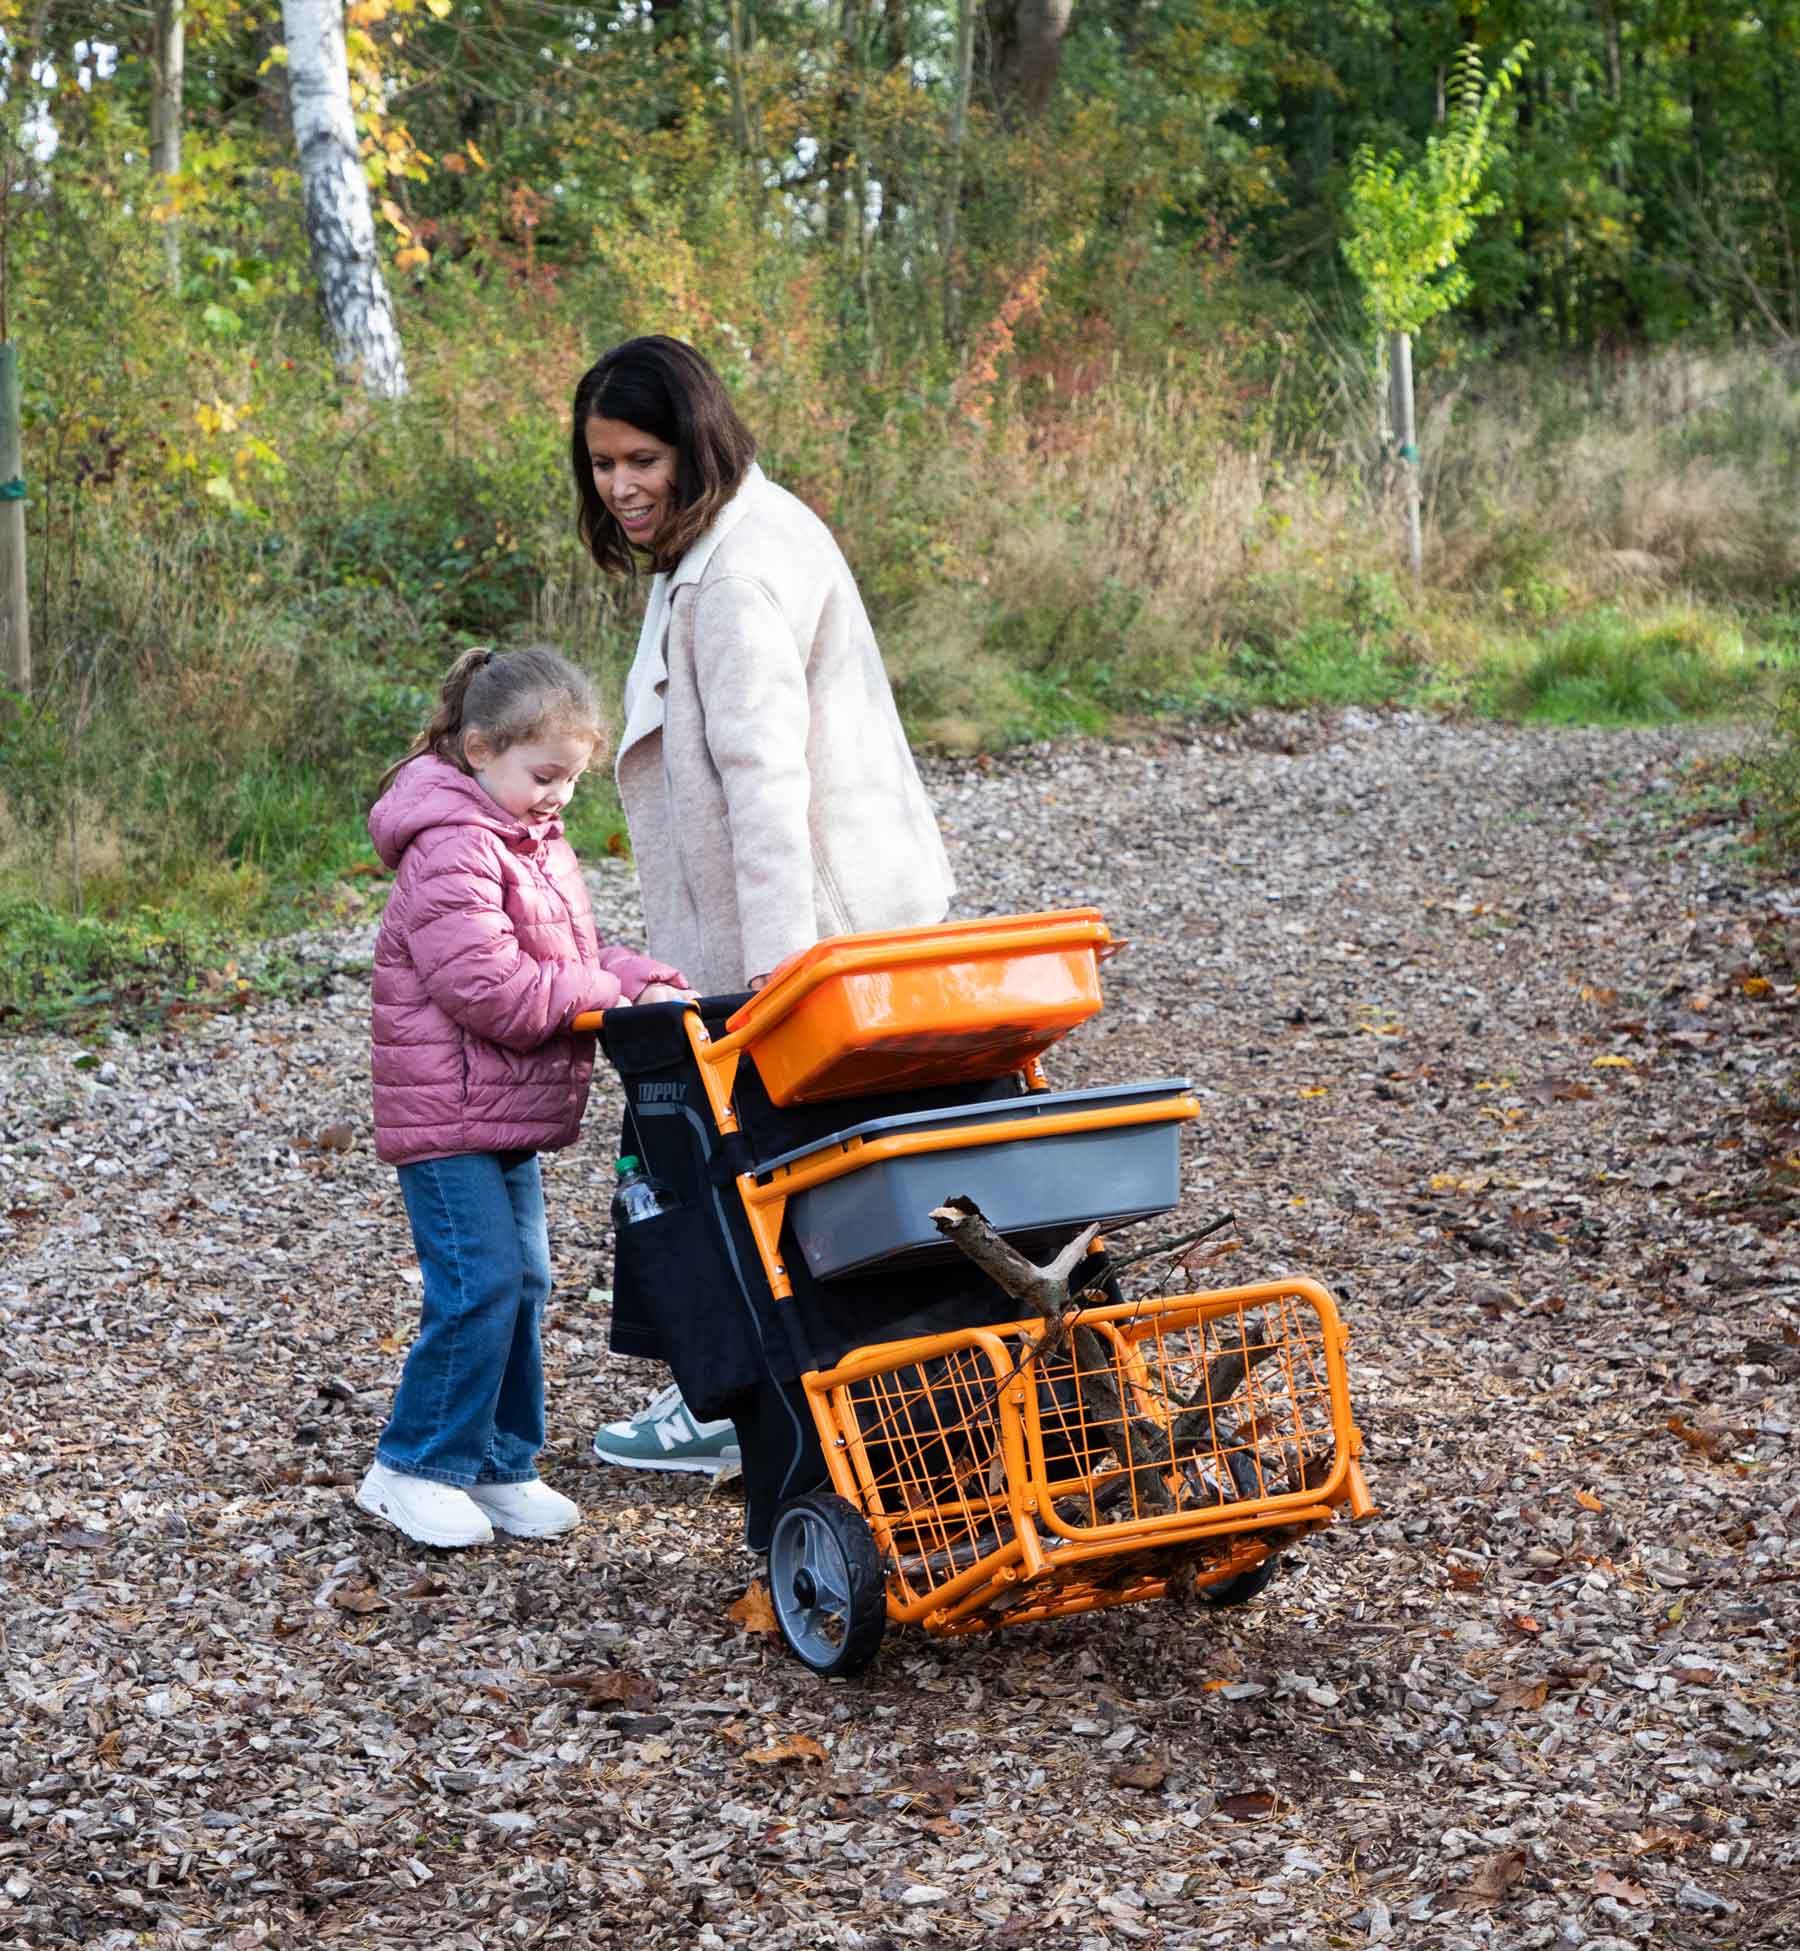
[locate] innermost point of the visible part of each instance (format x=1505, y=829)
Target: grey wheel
x=825, y=1582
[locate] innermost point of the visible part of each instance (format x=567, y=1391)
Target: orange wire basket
x=1166, y=1446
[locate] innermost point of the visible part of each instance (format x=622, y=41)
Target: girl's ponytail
x=442, y=737
x=519, y=696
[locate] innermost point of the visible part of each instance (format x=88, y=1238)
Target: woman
x=766, y=780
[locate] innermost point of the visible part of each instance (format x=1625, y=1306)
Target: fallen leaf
x=357, y=1598
x=1151, y=1773
x=1619, y=1888
x=1522, y=1622
x=1756, y=985
x=1497, y=1875
x=754, y=1611
x=796, y=1747
x=1465, y=1578
x=1613, y=1063
x=1588, y=1501
x=928, y=1787
x=1715, y=1443
x=1522, y=1696
x=1206, y=1256
x=1659, y=1839
x=1250, y=1805
x=606, y=1687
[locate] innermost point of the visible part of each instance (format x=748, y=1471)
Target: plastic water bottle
x=635, y=1196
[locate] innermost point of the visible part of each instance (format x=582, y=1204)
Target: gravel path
x=1487, y=1038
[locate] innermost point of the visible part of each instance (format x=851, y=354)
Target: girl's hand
x=662, y=992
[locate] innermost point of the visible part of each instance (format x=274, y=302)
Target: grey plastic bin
x=879, y=1215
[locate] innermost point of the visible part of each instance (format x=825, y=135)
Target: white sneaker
x=429, y=1513
x=529, y=1510
x=666, y=1435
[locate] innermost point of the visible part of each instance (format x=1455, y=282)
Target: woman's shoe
x=527, y=1510
x=666, y=1435
x=429, y=1513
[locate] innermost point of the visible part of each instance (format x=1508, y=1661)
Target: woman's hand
x=662, y=992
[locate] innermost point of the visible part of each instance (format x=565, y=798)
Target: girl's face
x=634, y=476
x=533, y=781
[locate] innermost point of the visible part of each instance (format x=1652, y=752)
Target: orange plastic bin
x=918, y=1006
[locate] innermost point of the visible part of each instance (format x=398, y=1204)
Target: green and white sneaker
x=666, y=1435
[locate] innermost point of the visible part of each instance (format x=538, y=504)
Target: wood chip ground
x=1493, y=1034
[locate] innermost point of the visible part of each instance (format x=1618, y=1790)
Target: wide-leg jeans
x=470, y=1406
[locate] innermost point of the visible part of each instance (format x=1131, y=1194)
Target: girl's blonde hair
x=508, y=697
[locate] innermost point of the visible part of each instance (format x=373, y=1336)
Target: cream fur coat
x=768, y=786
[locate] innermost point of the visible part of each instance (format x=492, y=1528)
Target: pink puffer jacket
x=487, y=950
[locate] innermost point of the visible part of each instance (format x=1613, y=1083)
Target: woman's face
x=634, y=476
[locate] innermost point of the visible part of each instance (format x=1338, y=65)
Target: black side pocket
x=671, y=1274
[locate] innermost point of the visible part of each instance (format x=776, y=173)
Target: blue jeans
x=470, y=1406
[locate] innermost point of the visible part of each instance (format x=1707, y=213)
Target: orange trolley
x=915, y=1451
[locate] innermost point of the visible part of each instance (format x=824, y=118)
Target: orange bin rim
x=943, y=941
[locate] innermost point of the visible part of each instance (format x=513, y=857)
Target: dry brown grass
x=1676, y=469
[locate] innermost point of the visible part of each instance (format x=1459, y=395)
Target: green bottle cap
x=629, y=1163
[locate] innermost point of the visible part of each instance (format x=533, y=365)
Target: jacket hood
x=429, y=793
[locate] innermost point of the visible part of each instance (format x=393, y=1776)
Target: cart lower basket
x=1133, y=1450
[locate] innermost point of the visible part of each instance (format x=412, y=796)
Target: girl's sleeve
x=473, y=965
x=635, y=971
x=757, y=721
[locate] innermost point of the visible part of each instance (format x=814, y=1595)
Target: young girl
x=486, y=952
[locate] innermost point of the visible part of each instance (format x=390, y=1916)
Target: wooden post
x=15, y=610
x=1400, y=371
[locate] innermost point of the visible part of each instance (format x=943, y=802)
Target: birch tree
x=167, y=60
x=339, y=225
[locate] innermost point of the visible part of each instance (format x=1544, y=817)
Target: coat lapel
x=648, y=680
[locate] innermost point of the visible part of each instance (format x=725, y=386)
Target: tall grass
x=1051, y=543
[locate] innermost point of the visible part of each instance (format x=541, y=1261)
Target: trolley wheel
x=1246, y=1586
x=825, y=1582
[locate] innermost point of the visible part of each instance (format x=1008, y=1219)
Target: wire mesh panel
x=1029, y=1454
x=1184, y=1411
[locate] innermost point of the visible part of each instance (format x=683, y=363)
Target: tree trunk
x=1026, y=37
x=339, y=225
x=956, y=136
x=1405, y=430
x=167, y=59
x=740, y=113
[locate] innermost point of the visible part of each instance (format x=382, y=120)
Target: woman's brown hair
x=509, y=698
x=664, y=388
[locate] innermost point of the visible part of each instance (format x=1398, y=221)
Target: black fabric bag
x=690, y=1289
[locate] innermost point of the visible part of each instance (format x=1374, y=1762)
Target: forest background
x=1043, y=304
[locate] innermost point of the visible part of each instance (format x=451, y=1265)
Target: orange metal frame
x=1042, y=1561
